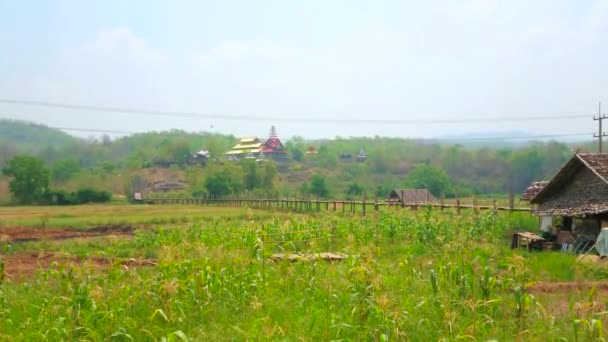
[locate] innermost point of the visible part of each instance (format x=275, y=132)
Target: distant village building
x=311, y=150
x=200, y=158
x=410, y=196
x=244, y=148
x=273, y=147
x=362, y=156
x=167, y=185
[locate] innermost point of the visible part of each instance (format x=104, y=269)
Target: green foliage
x=65, y=169
x=318, y=187
x=174, y=151
x=297, y=154
x=88, y=195
x=231, y=178
x=354, y=190
x=81, y=196
x=408, y=275
x=224, y=180
x=269, y=177
x=218, y=184
x=472, y=169
x=30, y=178
x=252, y=178
x=428, y=177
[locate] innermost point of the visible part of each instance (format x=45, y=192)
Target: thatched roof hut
x=410, y=196
x=579, y=188
x=533, y=190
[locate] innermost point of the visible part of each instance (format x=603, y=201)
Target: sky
x=350, y=68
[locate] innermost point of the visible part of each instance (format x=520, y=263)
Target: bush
x=88, y=195
x=82, y=196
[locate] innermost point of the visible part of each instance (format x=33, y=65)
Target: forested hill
x=29, y=137
x=458, y=170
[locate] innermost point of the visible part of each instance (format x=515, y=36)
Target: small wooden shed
x=410, y=196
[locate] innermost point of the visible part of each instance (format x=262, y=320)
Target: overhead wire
x=287, y=119
x=136, y=111
x=448, y=139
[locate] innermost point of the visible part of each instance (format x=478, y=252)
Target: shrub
x=82, y=196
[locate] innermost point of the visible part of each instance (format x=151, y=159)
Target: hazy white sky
x=315, y=59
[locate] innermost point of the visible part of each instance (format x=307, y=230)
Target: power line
x=529, y=137
x=532, y=137
x=174, y=114
x=600, y=133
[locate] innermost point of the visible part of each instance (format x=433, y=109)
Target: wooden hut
x=410, y=196
x=578, y=193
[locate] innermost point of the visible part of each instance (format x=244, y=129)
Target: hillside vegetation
x=114, y=164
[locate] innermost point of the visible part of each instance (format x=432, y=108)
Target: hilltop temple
x=245, y=147
x=254, y=148
x=273, y=147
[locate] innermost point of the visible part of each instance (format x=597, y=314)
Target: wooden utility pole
x=600, y=132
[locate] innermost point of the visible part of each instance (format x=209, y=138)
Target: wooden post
x=376, y=203
x=363, y=204
x=511, y=200
x=494, y=207
x=442, y=199
x=333, y=236
x=475, y=205
x=334, y=203
x=402, y=199
x=458, y=207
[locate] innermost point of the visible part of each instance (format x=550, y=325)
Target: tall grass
x=409, y=276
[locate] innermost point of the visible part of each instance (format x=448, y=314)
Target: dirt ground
x=567, y=287
x=24, y=234
x=24, y=264
x=562, y=298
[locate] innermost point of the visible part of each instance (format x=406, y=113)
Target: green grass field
x=205, y=273
x=86, y=216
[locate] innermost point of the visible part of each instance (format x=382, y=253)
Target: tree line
x=449, y=169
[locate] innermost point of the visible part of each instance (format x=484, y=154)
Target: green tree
x=30, y=178
x=428, y=177
x=318, y=186
x=224, y=180
x=269, y=176
x=251, y=179
x=354, y=190
x=218, y=184
x=65, y=169
x=297, y=154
